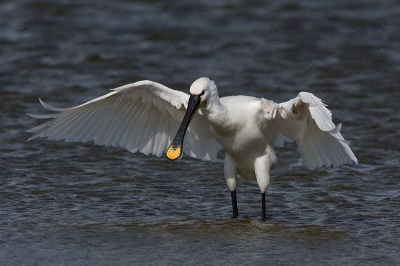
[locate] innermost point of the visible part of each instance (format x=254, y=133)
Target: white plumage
x=145, y=116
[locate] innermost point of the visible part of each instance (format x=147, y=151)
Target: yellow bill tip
x=173, y=153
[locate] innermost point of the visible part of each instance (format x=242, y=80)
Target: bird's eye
x=202, y=93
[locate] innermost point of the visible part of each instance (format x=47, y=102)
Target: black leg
x=234, y=204
x=264, y=216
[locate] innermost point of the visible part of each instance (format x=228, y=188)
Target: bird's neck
x=214, y=110
x=213, y=100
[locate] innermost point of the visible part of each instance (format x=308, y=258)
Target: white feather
x=143, y=116
x=307, y=121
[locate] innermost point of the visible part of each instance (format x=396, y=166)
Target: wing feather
x=164, y=137
x=118, y=132
x=140, y=127
x=306, y=120
x=146, y=144
x=142, y=116
x=157, y=135
x=133, y=129
x=123, y=133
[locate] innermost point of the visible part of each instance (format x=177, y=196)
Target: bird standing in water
x=144, y=116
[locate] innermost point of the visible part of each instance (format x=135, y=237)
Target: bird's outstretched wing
x=307, y=121
x=142, y=116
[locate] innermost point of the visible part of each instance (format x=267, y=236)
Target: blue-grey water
x=79, y=204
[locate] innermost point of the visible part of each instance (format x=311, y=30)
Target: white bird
x=144, y=116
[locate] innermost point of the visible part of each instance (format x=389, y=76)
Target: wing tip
x=50, y=107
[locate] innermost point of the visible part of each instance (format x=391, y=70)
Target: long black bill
x=174, y=150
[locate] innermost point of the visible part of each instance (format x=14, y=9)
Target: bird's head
x=202, y=88
x=200, y=93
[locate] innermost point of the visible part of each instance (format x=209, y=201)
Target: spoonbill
x=145, y=115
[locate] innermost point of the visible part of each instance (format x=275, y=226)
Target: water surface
x=73, y=204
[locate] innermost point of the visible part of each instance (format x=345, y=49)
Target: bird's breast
x=238, y=128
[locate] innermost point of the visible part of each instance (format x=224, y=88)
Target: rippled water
x=74, y=204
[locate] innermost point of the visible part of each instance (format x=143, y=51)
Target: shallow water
x=73, y=203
